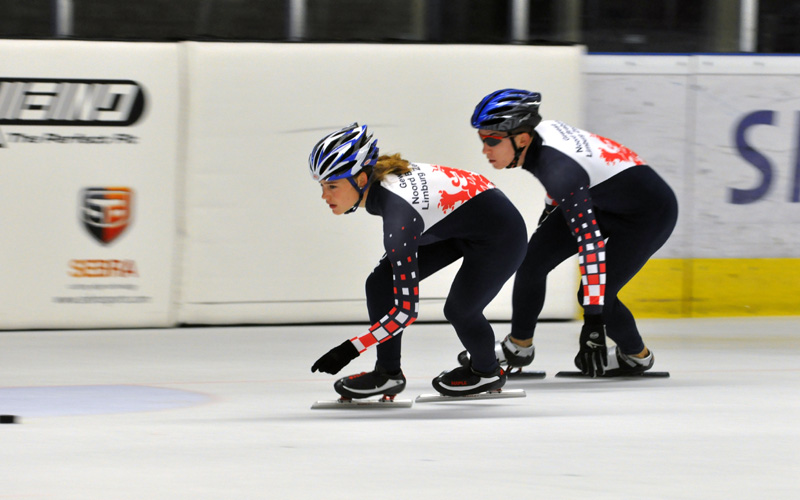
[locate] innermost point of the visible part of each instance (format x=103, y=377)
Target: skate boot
x=628, y=365
x=374, y=383
x=508, y=354
x=622, y=365
x=463, y=381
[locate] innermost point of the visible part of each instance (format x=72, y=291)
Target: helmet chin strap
x=517, y=153
x=361, y=191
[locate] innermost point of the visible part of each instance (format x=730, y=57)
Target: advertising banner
x=747, y=178
x=724, y=131
x=88, y=162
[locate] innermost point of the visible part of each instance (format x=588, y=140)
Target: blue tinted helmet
x=507, y=109
x=343, y=154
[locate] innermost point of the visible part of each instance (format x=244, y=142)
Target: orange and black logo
x=106, y=211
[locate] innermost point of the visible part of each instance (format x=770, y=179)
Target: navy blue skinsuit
x=612, y=210
x=433, y=216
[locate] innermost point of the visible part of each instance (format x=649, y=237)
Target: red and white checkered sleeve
x=401, y=243
x=579, y=213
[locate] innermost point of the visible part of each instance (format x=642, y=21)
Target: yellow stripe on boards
x=672, y=288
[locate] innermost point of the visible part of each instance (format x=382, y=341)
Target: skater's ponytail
x=387, y=165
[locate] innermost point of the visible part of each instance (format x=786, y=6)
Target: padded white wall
x=260, y=245
x=69, y=120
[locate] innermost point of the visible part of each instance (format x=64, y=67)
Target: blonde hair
x=387, y=165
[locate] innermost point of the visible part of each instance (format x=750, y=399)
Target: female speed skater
x=432, y=216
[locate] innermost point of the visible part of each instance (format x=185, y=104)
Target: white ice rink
x=224, y=413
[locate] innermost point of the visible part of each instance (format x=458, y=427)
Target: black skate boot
x=463, y=381
x=366, y=384
x=508, y=354
x=623, y=365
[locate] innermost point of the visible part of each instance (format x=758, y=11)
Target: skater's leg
x=485, y=269
x=549, y=245
x=635, y=225
x=628, y=249
x=380, y=295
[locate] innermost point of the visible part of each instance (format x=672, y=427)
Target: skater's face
x=498, y=149
x=340, y=195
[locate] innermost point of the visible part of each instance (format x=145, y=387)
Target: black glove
x=337, y=358
x=548, y=209
x=593, y=354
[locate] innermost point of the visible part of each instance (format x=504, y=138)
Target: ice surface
x=218, y=413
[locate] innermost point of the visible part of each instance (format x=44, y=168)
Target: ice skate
x=464, y=383
x=627, y=365
x=512, y=356
x=464, y=380
x=353, y=390
x=621, y=365
x=384, y=402
x=367, y=384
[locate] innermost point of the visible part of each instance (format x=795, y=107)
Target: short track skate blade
x=499, y=394
x=352, y=404
x=577, y=374
x=525, y=374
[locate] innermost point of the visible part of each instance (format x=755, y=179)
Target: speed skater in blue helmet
x=603, y=202
x=509, y=112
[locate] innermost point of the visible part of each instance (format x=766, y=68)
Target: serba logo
x=102, y=268
x=93, y=103
x=106, y=211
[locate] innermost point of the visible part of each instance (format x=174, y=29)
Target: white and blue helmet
x=343, y=154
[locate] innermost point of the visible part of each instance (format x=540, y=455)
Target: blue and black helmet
x=507, y=109
x=343, y=154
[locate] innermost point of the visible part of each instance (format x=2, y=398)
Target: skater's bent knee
x=457, y=314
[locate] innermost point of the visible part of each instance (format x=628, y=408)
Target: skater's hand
x=337, y=358
x=593, y=354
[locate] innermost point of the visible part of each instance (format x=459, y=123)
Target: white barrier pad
x=261, y=246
